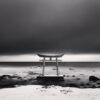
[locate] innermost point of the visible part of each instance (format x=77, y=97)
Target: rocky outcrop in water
x=93, y=78
x=16, y=80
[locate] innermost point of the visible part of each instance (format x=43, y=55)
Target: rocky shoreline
x=7, y=81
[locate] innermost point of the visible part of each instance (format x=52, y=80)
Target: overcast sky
x=50, y=25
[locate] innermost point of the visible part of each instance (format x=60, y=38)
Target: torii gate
x=50, y=56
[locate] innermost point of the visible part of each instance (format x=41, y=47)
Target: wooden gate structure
x=56, y=77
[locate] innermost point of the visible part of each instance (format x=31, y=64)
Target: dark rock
x=10, y=81
x=3, y=77
x=93, y=79
x=9, y=77
x=71, y=69
x=73, y=75
x=32, y=73
x=73, y=85
x=93, y=86
x=82, y=84
x=98, y=82
x=67, y=76
x=77, y=78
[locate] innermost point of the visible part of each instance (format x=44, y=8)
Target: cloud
x=42, y=25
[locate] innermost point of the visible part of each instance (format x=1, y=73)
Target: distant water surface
x=65, y=58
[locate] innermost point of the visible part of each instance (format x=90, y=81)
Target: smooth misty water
x=70, y=68
x=66, y=57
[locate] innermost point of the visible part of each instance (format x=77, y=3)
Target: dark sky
x=50, y=25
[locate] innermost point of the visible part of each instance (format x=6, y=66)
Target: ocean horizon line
x=36, y=58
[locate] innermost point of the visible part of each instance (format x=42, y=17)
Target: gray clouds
x=41, y=25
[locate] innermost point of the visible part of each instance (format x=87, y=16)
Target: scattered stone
x=71, y=69
x=32, y=73
x=93, y=86
x=73, y=85
x=67, y=76
x=73, y=75
x=15, y=80
x=82, y=74
x=98, y=82
x=93, y=79
x=77, y=78
x=54, y=69
x=82, y=84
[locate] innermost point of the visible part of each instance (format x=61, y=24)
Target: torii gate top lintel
x=50, y=55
